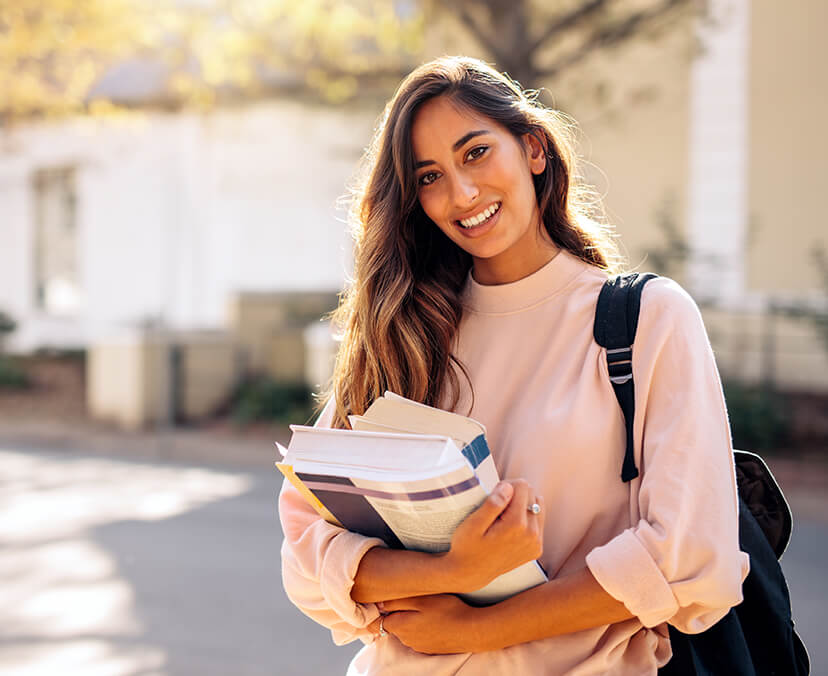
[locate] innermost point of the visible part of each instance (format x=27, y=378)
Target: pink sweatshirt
x=666, y=544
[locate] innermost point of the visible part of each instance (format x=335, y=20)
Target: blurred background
x=172, y=235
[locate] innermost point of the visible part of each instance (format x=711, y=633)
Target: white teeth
x=482, y=216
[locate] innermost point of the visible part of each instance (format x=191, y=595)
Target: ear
x=535, y=153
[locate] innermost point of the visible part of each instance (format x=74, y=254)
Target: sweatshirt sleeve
x=680, y=563
x=319, y=562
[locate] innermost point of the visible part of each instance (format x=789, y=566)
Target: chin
x=486, y=250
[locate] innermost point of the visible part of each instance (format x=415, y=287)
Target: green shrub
x=760, y=419
x=11, y=375
x=69, y=354
x=265, y=400
x=7, y=324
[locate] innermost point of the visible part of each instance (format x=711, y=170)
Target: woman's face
x=475, y=182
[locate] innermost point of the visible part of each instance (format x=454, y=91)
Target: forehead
x=440, y=122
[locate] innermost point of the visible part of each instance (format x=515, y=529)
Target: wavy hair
x=399, y=315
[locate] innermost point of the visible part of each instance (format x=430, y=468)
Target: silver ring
x=534, y=508
x=382, y=631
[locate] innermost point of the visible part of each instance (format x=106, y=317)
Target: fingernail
x=503, y=492
x=381, y=605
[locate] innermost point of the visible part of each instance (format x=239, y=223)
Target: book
x=406, y=473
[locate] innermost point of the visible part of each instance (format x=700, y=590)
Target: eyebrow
x=457, y=145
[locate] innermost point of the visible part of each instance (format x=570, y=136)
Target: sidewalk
x=218, y=443
x=804, y=481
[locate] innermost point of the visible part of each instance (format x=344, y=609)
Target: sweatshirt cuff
x=625, y=569
x=339, y=568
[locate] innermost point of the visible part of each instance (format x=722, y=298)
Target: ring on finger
x=534, y=508
x=382, y=631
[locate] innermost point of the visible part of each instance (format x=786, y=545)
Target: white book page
x=371, y=449
x=411, y=416
x=517, y=580
x=381, y=478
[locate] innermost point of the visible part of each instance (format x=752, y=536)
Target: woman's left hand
x=434, y=625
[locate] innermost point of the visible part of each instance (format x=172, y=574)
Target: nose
x=464, y=190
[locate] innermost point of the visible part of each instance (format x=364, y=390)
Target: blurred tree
x=342, y=45
x=536, y=41
x=53, y=52
x=816, y=311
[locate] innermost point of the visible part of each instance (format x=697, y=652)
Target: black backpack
x=757, y=637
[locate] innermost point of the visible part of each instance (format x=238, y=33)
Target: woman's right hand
x=498, y=536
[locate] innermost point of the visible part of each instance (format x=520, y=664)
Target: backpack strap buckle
x=619, y=364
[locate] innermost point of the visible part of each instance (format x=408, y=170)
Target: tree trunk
x=510, y=30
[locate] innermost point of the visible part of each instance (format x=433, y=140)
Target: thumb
x=484, y=516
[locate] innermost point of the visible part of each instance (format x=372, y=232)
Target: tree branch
x=461, y=11
x=613, y=35
x=565, y=22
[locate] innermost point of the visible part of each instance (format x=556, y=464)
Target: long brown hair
x=400, y=313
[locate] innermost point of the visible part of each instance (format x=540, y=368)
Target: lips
x=480, y=224
x=479, y=218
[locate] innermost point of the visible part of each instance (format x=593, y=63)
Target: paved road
x=122, y=568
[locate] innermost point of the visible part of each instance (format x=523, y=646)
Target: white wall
x=718, y=186
x=175, y=212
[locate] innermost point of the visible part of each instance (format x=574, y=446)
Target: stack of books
x=406, y=473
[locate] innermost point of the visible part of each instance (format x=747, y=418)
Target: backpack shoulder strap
x=616, y=321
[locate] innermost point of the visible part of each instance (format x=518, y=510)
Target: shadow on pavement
x=208, y=590
x=117, y=566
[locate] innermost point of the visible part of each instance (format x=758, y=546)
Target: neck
x=512, y=266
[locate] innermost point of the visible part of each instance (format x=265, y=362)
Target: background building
x=710, y=167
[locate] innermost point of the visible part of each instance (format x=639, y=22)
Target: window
x=57, y=289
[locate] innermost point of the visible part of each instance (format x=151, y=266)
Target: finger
x=542, y=515
x=374, y=627
x=394, y=622
x=484, y=516
x=534, y=508
x=535, y=522
x=411, y=603
x=516, y=512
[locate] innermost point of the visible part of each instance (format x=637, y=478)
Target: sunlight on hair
x=402, y=305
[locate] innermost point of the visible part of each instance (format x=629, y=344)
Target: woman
x=477, y=273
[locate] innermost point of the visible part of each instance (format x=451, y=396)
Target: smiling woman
x=477, y=273
x=478, y=189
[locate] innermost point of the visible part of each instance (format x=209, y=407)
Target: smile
x=482, y=217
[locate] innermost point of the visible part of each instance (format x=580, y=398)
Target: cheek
x=522, y=192
x=434, y=207
x=430, y=204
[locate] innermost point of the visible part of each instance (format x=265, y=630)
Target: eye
x=428, y=178
x=477, y=152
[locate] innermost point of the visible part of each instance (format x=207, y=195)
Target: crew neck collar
x=526, y=292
